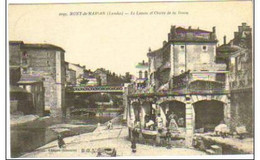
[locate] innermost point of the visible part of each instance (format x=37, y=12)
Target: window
x=140, y=74
x=146, y=74
x=204, y=48
x=24, y=70
x=182, y=47
x=25, y=54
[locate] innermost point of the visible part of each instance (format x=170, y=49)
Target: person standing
x=109, y=125
x=168, y=138
x=159, y=121
x=133, y=141
x=173, y=125
x=61, y=142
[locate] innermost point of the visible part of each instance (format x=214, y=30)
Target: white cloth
x=149, y=123
x=159, y=121
x=223, y=128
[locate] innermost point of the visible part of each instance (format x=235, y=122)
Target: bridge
x=94, y=111
x=95, y=89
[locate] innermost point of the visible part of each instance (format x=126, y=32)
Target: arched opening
x=176, y=110
x=147, y=113
x=208, y=114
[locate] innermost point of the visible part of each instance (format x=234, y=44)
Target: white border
x=2, y=71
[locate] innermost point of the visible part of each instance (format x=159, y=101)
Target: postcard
x=130, y=79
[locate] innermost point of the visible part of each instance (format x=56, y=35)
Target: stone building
x=70, y=75
x=79, y=71
x=239, y=57
x=47, y=61
x=102, y=76
x=20, y=101
x=34, y=85
x=184, y=79
x=90, y=78
x=142, y=79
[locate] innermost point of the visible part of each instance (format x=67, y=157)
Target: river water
x=27, y=137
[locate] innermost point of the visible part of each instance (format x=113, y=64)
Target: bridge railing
x=96, y=88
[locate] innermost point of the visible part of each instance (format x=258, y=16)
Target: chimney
x=214, y=29
x=143, y=61
x=189, y=27
x=224, y=40
x=149, y=49
x=164, y=43
x=169, y=36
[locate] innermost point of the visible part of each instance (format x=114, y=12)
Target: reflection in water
x=27, y=138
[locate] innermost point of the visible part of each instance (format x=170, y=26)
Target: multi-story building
x=47, y=61
x=79, y=71
x=102, y=76
x=142, y=79
x=70, y=75
x=90, y=78
x=186, y=81
x=239, y=57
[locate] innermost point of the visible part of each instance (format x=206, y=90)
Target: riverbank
x=16, y=120
x=33, y=132
x=229, y=144
x=86, y=145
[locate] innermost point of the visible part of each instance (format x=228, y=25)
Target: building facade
x=47, y=61
x=70, y=75
x=34, y=85
x=184, y=79
x=239, y=56
x=79, y=71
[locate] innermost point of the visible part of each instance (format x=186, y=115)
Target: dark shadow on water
x=27, y=137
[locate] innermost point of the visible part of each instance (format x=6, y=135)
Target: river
x=27, y=137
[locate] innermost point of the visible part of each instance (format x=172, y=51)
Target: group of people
x=157, y=123
x=151, y=123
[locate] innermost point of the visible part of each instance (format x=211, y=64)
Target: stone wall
x=14, y=54
x=242, y=109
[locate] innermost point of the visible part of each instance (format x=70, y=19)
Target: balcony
x=187, y=83
x=209, y=67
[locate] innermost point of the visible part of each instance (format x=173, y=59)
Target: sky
x=119, y=42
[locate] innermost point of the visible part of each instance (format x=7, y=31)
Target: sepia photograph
x=130, y=79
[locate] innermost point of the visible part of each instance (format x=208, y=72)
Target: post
x=189, y=122
x=141, y=138
x=227, y=112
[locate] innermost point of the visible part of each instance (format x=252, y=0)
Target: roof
x=142, y=65
x=71, y=70
x=226, y=50
x=15, y=42
x=182, y=30
x=181, y=34
x=28, y=79
x=155, y=52
x=12, y=68
x=17, y=89
x=42, y=46
x=78, y=65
